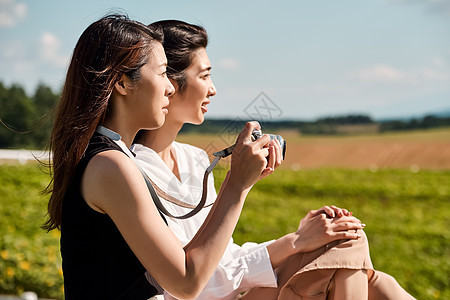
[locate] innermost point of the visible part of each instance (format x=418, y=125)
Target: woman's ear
x=122, y=85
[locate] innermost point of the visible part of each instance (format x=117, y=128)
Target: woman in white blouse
x=327, y=258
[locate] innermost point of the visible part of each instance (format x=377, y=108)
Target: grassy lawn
x=406, y=215
x=29, y=257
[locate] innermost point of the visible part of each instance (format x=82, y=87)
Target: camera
x=256, y=134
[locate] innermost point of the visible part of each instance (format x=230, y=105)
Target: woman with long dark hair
x=327, y=258
x=111, y=231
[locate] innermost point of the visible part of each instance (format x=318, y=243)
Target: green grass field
x=406, y=215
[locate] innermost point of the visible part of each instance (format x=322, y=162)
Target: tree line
x=26, y=122
x=349, y=124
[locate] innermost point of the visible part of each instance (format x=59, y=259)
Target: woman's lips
x=204, y=106
x=166, y=108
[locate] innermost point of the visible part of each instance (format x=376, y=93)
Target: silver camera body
x=256, y=134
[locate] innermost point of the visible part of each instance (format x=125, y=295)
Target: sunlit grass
x=406, y=215
x=30, y=258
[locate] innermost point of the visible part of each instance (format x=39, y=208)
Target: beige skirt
x=310, y=275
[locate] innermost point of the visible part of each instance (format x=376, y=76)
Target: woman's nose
x=170, y=89
x=212, y=90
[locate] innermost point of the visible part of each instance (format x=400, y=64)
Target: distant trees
x=25, y=122
x=348, y=124
x=337, y=125
x=426, y=122
x=328, y=125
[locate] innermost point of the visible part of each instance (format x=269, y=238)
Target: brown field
x=426, y=149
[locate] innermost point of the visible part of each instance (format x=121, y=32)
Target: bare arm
x=113, y=184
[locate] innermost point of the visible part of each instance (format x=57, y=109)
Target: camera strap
x=152, y=186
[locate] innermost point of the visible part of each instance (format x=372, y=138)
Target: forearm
x=205, y=250
x=281, y=249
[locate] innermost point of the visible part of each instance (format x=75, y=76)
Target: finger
x=279, y=156
x=311, y=213
x=248, y=129
x=324, y=210
x=264, y=152
x=346, y=219
x=348, y=226
x=329, y=211
x=338, y=211
x=346, y=212
x=266, y=172
x=271, y=161
x=345, y=235
x=316, y=212
x=262, y=141
x=317, y=217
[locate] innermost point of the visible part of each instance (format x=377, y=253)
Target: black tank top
x=97, y=262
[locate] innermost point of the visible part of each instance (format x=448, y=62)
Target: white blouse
x=241, y=267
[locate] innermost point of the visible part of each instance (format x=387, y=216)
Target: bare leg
x=384, y=287
x=349, y=284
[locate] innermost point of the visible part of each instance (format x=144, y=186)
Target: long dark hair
x=107, y=49
x=181, y=39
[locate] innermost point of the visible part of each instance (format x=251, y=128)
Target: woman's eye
x=207, y=75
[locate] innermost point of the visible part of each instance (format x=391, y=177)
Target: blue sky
x=384, y=58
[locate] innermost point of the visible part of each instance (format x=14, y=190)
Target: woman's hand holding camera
x=253, y=160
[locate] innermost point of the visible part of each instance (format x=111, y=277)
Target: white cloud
x=28, y=62
x=229, y=63
x=50, y=48
x=11, y=12
x=389, y=74
x=379, y=73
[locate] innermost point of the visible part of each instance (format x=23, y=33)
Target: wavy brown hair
x=106, y=50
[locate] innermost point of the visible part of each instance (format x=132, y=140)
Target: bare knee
x=349, y=284
x=384, y=286
x=380, y=277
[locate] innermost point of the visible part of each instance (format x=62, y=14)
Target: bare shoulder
x=108, y=174
x=108, y=163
